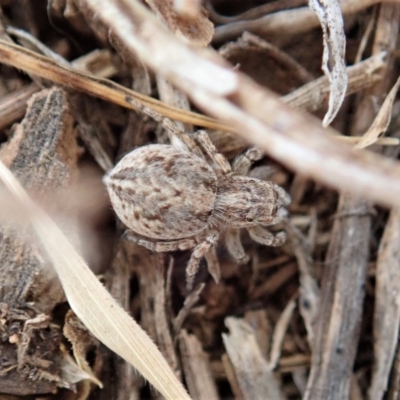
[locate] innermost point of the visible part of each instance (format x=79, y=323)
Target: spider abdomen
x=163, y=192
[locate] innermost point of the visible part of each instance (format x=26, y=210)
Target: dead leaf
x=333, y=63
x=381, y=121
x=82, y=342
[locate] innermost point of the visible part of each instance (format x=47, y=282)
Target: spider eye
x=251, y=215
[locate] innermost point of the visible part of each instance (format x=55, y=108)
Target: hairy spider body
x=175, y=200
x=242, y=202
x=167, y=193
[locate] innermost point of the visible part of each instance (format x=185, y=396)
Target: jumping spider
x=171, y=198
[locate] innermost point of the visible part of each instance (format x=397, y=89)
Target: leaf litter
x=319, y=313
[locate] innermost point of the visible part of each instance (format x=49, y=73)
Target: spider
x=182, y=196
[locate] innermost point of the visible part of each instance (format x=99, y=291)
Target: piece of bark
x=124, y=377
x=197, y=369
x=387, y=306
x=154, y=316
x=259, y=321
x=255, y=378
x=309, y=290
x=43, y=155
x=338, y=318
x=394, y=384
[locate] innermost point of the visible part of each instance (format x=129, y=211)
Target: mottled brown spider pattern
x=180, y=197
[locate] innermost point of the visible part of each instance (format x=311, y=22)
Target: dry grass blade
x=91, y=302
x=333, y=63
x=381, y=121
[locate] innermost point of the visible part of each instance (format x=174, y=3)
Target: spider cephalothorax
x=175, y=200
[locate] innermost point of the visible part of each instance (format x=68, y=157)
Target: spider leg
x=161, y=246
x=221, y=164
x=198, y=253
x=235, y=247
x=242, y=163
x=263, y=172
x=213, y=264
x=262, y=236
x=171, y=127
x=282, y=195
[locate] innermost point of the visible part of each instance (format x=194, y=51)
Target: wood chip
x=255, y=378
x=197, y=368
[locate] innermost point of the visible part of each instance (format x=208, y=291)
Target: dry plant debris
x=333, y=63
x=87, y=314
